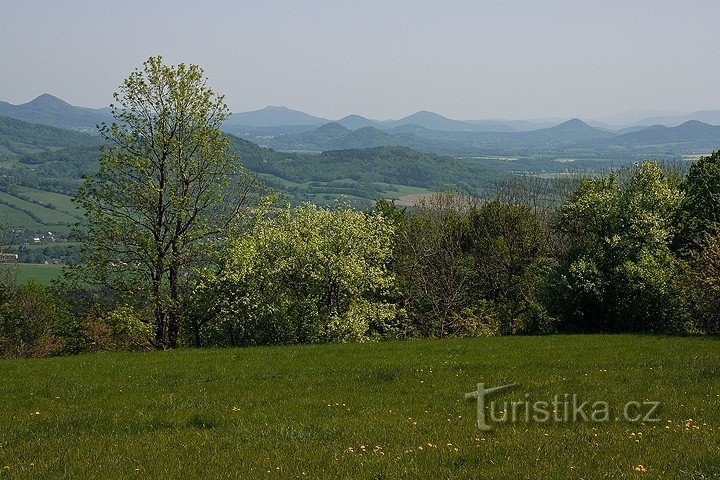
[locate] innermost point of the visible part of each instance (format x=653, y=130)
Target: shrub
x=34, y=322
x=119, y=329
x=302, y=275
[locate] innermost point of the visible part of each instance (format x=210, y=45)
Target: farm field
x=37, y=209
x=376, y=410
x=41, y=273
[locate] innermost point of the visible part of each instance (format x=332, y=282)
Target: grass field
x=61, y=202
x=41, y=273
x=361, y=411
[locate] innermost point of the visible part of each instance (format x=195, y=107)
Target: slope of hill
x=706, y=116
x=273, y=117
x=49, y=110
x=693, y=134
x=363, y=173
x=380, y=410
x=434, y=121
x=19, y=138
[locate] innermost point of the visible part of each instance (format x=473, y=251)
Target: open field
x=383, y=410
x=41, y=273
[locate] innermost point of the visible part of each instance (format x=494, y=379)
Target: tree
x=35, y=322
x=618, y=272
x=435, y=267
x=510, y=250
x=467, y=267
x=700, y=209
x=705, y=286
x=166, y=187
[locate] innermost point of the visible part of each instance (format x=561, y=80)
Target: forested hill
x=363, y=169
x=21, y=138
x=51, y=159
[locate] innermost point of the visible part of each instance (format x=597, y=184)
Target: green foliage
x=617, y=271
x=700, y=208
x=165, y=186
x=34, y=322
x=303, y=275
x=469, y=268
x=119, y=329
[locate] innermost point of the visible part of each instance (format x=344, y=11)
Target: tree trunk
x=173, y=317
x=160, y=326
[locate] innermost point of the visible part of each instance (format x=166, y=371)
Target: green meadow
x=39, y=272
x=362, y=411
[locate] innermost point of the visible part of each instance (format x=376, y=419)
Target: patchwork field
x=39, y=209
x=380, y=410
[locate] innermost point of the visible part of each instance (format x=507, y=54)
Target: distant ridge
x=711, y=117
x=693, y=132
x=49, y=110
x=273, y=117
x=354, y=122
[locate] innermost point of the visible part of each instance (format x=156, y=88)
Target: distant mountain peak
x=332, y=127
x=694, y=123
x=353, y=116
x=574, y=124
x=274, y=116
x=47, y=109
x=47, y=100
x=425, y=114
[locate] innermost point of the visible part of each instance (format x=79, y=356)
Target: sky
x=381, y=59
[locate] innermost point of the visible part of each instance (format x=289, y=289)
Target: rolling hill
x=442, y=142
x=691, y=134
x=49, y=110
x=706, y=116
x=273, y=117
x=19, y=138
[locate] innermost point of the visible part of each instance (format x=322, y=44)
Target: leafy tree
x=469, y=268
x=435, y=267
x=302, y=275
x=700, y=209
x=165, y=186
x=510, y=252
x=618, y=272
x=705, y=288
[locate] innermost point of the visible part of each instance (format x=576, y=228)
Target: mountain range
x=568, y=136
x=282, y=128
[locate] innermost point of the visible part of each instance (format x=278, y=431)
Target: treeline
x=634, y=251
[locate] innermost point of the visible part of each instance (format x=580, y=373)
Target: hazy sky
x=382, y=59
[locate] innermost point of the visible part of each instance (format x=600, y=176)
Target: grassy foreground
x=384, y=410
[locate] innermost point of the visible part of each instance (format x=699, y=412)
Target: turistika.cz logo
x=564, y=408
